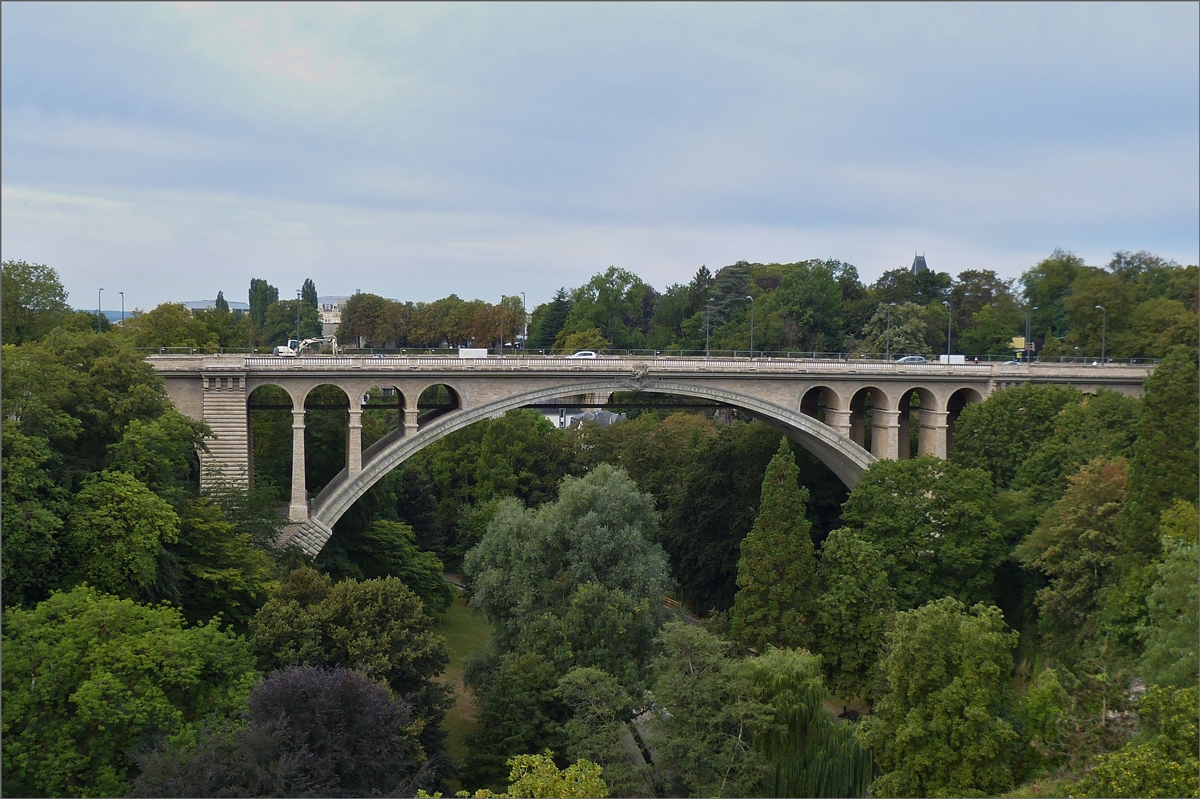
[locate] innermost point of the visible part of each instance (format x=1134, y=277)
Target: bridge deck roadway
x=835, y=409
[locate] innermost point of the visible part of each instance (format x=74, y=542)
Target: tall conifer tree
x=776, y=570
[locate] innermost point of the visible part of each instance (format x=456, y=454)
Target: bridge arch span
x=844, y=458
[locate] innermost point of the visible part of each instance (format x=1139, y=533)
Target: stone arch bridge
x=847, y=413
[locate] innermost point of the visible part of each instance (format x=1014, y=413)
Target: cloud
x=433, y=148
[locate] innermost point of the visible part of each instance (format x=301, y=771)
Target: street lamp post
x=299, y=294
x=122, y=310
x=524, y=324
x=1103, y=332
x=949, y=319
x=888, y=339
x=98, y=293
x=503, y=297
x=707, y=309
x=1028, y=312
x=751, y=324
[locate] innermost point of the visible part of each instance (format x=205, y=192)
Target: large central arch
x=844, y=458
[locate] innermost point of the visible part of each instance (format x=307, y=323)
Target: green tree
x=307, y=732
x=600, y=628
x=115, y=531
x=171, y=324
x=378, y=627
x=810, y=754
x=708, y=716
x=939, y=727
x=1164, y=763
x=389, y=549
x=221, y=571
x=538, y=776
x=569, y=341
x=308, y=294
x=1043, y=711
x=547, y=320
x=33, y=509
x=280, y=323
x=936, y=522
x=520, y=710
x=598, y=730
x=1171, y=637
x=1165, y=455
x=711, y=481
x=530, y=561
x=34, y=301
x=908, y=333
x=1075, y=547
x=999, y=433
x=852, y=605
x=221, y=303
x=508, y=458
x=1045, y=286
x=262, y=296
x=161, y=454
x=88, y=678
x=1099, y=426
x=109, y=385
x=361, y=317
x=775, y=572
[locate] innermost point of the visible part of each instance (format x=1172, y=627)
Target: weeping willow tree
x=810, y=752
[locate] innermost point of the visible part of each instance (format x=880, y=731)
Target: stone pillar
x=884, y=429
x=838, y=420
x=858, y=428
x=933, y=434
x=354, y=442
x=904, y=436
x=410, y=421
x=298, y=511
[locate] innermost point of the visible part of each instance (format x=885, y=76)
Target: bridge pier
x=298, y=510
x=840, y=421
x=932, y=440
x=885, y=427
x=354, y=442
x=410, y=420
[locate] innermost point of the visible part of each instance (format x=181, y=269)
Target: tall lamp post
x=888, y=340
x=1103, y=332
x=503, y=297
x=122, y=310
x=524, y=324
x=707, y=310
x=751, y=324
x=1028, y=312
x=949, y=319
x=299, y=294
x=98, y=293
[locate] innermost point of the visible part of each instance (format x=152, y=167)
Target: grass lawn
x=465, y=633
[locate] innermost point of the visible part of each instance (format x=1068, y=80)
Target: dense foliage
x=1021, y=617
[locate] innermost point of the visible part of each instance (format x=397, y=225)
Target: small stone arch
x=914, y=405
x=819, y=399
x=327, y=409
x=269, y=408
x=954, y=407
x=383, y=406
x=846, y=459
x=436, y=400
x=871, y=421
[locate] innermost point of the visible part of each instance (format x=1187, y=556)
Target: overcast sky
x=171, y=151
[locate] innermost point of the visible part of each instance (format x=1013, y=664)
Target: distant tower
x=919, y=265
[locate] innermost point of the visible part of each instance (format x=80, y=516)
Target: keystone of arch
x=845, y=458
